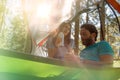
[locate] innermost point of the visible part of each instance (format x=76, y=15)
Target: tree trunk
x=76, y=36
x=28, y=41
x=87, y=18
x=102, y=20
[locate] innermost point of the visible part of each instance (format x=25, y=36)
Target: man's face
x=86, y=37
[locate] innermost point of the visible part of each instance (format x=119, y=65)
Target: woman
x=63, y=43
x=50, y=44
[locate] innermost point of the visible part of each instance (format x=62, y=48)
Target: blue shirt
x=93, y=52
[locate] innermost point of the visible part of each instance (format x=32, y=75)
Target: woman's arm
x=59, y=40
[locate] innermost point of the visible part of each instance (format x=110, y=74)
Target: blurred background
x=25, y=23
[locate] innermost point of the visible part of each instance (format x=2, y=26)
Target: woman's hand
x=72, y=58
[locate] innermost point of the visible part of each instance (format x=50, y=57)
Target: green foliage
x=13, y=30
x=14, y=36
x=2, y=11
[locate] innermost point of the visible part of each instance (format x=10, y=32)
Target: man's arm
x=104, y=60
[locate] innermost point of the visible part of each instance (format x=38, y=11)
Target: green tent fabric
x=17, y=66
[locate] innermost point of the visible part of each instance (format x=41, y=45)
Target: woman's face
x=66, y=29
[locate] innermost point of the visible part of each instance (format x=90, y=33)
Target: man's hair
x=91, y=28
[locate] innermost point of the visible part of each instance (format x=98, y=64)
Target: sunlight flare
x=43, y=10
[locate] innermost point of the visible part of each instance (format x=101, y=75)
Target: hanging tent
x=115, y=4
x=43, y=16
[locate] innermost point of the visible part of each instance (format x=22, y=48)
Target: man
x=94, y=53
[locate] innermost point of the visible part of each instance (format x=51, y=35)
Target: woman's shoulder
x=61, y=33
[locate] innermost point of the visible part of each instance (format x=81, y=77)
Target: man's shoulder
x=105, y=48
x=102, y=42
x=103, y=45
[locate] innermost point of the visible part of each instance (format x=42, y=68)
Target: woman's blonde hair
x=67, y=37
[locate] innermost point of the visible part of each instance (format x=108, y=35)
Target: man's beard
x=88, y=41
